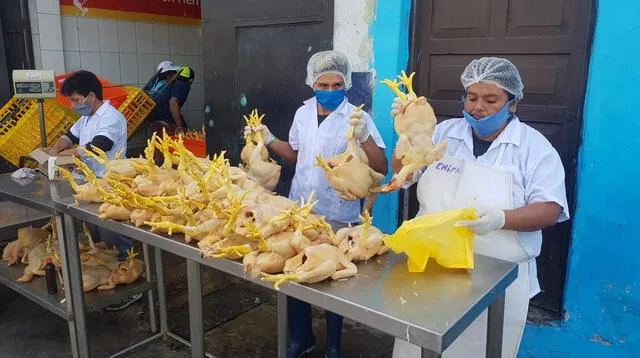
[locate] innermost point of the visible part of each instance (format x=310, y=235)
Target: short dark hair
x=82, y=82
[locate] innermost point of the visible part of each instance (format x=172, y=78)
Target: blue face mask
x=82, y=108
x=330, y=100
x=490, y=124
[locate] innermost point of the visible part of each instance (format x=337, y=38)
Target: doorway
x=255, y=56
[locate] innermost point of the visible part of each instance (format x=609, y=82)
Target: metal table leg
x=195, y=309
x=495, y=322
x=147, y=271
x=66, y=282
x=69, y=244
x=429, y=354
x=162, y=294
x=282, y=325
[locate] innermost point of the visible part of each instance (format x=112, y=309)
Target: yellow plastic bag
x=435, y=235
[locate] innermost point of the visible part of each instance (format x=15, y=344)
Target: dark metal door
x=548, y=40
x=16, y=51
x=255, y=55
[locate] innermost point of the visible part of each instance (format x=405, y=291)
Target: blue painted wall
x=602, y=300
x=390, y=32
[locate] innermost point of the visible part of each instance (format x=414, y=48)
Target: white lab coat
x=538, y=174
x=327, y=140
x=106, y=121
x=519, y=168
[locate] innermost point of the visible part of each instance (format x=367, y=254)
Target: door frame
x=574, y=144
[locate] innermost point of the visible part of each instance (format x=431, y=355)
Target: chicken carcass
x=362, y=242
x=264, y=172
x=254, y=138
x=35, y=260
x=94, y=276
x=255, y=155
x=272, y=252
x=314, y=264
x=114, y=212
x=349, y=173
x=414, y=125
x=126, y=272
x=28, y=237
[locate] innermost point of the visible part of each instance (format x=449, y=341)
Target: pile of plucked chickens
x=99, y=264
x=230, y=211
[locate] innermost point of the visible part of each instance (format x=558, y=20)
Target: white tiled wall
x=128, y=52
x=46, y=34
x=124, y=52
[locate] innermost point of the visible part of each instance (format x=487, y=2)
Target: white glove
x=360, y=131
x=398, y=104
x=489, y=220
x=267, y=137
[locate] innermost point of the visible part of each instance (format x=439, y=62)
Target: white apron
x=453, y=183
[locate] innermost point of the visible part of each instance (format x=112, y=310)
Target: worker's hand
x=489, y=220
x=399, y=104
x=267, y=137
x=360, y=126
x=178, y=130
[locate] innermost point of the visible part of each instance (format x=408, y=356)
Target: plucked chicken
x=414, y=124
x=349, y=173
x=314, y=264
x=362, y=242
x=260, y=168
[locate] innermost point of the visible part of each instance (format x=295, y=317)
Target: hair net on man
x=498, y=71
x=326, y=62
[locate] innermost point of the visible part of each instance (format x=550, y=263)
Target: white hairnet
x=326, y=62
x=498, y=71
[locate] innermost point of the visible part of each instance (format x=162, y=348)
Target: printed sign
x=182, y=12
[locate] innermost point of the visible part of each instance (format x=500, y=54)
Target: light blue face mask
x=82, y=108
x=330, y=100
x=158, y=86
x=490, y=124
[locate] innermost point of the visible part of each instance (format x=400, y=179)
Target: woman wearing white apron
x=507, y=170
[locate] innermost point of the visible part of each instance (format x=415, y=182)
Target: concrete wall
x=602, y=299
x=121, y=51
x=375, y=36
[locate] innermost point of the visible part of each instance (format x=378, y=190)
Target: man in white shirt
x=319, y=127
x=100, y=126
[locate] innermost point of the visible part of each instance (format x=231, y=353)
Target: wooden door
x=548, y=40
x=255, y=56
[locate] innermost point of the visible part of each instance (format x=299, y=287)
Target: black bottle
x=50, y=276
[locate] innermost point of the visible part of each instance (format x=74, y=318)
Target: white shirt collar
x=101, y=110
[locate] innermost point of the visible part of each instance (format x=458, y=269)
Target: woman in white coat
x=511, y=173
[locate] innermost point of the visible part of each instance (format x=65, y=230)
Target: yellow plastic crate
x=15, y=108
x=136, y=108
x=20, y=129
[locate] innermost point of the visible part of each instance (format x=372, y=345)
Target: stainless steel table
x=14, y=216
x=71, y=303
x=429, y=309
